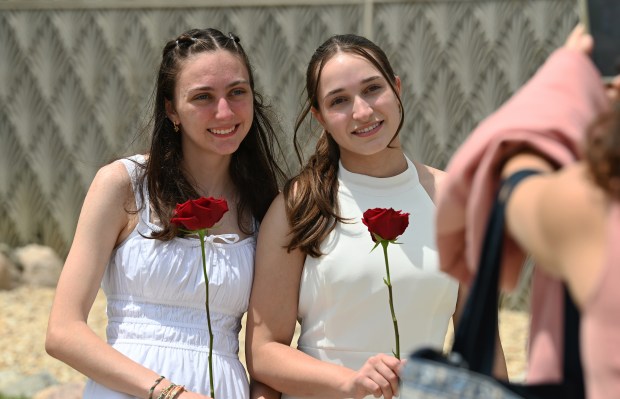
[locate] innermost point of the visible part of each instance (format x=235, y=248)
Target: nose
x=223, y=110
x=361, y=109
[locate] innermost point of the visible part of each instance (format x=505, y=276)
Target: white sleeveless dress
x=343, y=302
x=156, y=306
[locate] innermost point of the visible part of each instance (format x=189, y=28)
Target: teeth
x=368, y=129
x=217, y=131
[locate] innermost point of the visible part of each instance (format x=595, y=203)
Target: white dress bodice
x=155, y=294
x=343, y=302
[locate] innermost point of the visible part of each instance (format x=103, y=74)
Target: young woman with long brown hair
x=211, y=137
x=314, y=261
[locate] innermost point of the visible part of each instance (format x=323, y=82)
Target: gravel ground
x=24, y=320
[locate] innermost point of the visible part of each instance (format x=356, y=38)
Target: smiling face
x=357, y=106
x=213, y=103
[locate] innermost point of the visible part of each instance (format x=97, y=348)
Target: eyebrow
x=208, y=88
x=336, y=91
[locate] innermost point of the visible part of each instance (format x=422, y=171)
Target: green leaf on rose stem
x=376, y=245
x=385, y=282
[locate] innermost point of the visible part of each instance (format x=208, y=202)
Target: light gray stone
x=72, y=390
x=27, y=386
x=7, y=377
x=10, y=270
x=41, y=265
x=6, y=280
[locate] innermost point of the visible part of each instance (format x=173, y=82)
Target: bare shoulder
x=114, y=173
x=275, y=220
x=430, y=178
x=113, y=181
x=571, y=190
x=573, y=217
x=278, y=204
x=572, y=203
x=110, y=201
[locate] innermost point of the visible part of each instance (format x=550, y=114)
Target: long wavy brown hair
x=254, y=169
x=311, y=197
x=603, y=152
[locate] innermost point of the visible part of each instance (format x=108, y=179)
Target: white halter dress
x=343, y=302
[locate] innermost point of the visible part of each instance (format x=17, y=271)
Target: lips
x=223, y=131
x=368, y=129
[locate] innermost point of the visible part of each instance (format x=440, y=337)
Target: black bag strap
x=572, y=354
x=475, y=335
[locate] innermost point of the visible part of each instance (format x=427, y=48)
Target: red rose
x=388, y=224
x=201, y=213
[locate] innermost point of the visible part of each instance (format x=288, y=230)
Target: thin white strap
x=133, y=169
x=226, y=238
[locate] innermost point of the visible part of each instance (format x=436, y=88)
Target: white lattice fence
x=76, y=81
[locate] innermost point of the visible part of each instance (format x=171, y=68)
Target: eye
x=337, y=101
x=238, y=92
x=203, y=96
x=374, y=88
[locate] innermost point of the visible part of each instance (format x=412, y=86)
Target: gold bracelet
x=157, y=381
x=175, y=392
x=166, y=391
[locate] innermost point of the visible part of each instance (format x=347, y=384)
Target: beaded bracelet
x=157, y=381
x=164, y=394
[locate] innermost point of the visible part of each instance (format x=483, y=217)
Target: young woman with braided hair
x=211, y=137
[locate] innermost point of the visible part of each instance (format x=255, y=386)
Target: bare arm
x=103, y=223
x=430, y=178
x=258, y=390
x=559, y=218
x=271, y=324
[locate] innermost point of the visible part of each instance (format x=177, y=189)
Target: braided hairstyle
x=253, y=168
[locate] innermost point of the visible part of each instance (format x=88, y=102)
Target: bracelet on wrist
x=175, y=392
x=166, y=392
x=152, y=389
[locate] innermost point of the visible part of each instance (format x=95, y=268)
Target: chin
x=226, y=150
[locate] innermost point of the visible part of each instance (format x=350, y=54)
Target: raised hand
x=580, y=40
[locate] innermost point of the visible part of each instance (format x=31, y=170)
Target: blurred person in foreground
x=564, y=124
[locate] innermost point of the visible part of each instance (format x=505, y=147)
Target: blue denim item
x=431, y=379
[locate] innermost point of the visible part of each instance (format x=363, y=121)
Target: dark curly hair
x=603, y=152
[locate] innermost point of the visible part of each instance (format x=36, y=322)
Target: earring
x=175, y=127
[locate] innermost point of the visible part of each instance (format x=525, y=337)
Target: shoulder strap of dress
x=134, y=165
